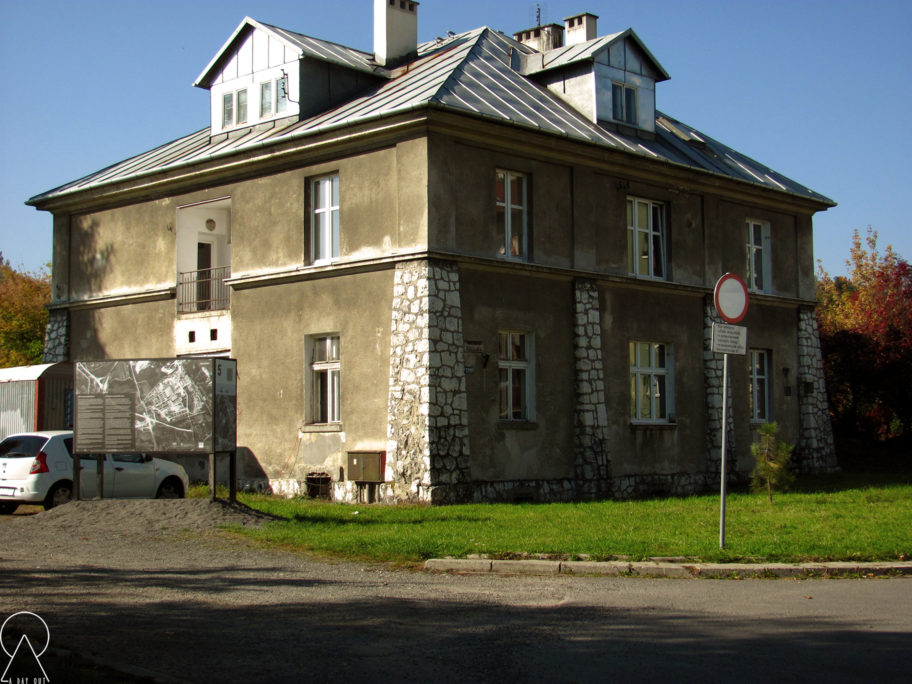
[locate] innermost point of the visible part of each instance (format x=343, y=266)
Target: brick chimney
x=395, y=30
x=581, y=28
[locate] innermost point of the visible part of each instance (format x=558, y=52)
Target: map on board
x=156, y=406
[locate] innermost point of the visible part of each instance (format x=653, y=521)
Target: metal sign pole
x=724, y=443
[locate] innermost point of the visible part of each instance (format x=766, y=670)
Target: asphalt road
x=203, y=608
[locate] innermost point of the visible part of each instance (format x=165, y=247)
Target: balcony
x=203, y=290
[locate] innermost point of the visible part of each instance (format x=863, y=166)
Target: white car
x=37, y=468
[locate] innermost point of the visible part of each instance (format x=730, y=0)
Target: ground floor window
x=513, y=360
x=759, y=385
x=326, y=379
x=651, y=382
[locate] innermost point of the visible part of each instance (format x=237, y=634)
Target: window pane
x=617, y=102
x=332, y=344
x=504, y=393
x=500, y=193
x=503, y=345
x=321, y=389
x=265, y=99
x=227, y=109
x=335, y=396
x=630, y=105
x=658, y=266
x=319, y=351
x=760, y=411
x=319, y=194
x=643, y=252
x=757, y=238
x=659, y=356
x=335, y=232
x=642, y=215
x=629, y=212
x=519, y=393
x=633, y=396
x=517, y=184
x=242, y=106
x=631, y=251
x=660, y=397
x=501, y=230
x=645, y=397
x=335, y=190
x=518, y=344
x=643, y=354
x=319, y=242
x=281, y=94
x=516, y=233
x=758, y=269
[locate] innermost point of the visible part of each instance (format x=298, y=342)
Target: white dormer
x=253, y=79
x=609, y=80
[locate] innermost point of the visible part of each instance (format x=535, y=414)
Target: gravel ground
x=154, y=589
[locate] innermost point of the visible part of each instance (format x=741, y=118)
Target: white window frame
x=759, y=270
x=760, y=378
x=324, y=219
x=227, y=110
x=326, y=379
x=514, y=244
x=648, y=378
x=655, y=237
x=621, y=104
x=240, y=111
x=516, y=367
x=265, y=99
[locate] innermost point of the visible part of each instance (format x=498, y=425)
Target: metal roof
x=471, y=73
x=28, y=373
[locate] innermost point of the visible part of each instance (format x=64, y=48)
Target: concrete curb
x=666, y=569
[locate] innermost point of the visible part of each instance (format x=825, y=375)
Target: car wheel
x=60, y=493
x=172, y=488
x=8, y=508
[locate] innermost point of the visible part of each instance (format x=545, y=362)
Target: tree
x=773, y=459
x=865, y=322
x=23, y=315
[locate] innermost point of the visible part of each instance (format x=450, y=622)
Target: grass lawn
x=846, y=517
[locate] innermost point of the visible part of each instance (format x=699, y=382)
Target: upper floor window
x=624, y=103
x=326, y=374
x=759, y=271
x=511, y=195
x=324, y=219
x=234, y=108
x=273, y=97
x=514, y=364
x=651, y=382
x=759, y=385
x=646, y=238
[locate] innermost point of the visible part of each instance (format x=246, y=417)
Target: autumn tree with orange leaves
x=865, y=322
x=23, y=316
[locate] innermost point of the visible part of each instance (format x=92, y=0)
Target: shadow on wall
x=250, y=474
x=89, y=267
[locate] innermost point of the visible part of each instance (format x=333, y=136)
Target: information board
x=166, y=406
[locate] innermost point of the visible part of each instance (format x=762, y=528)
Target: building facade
x=487, y=262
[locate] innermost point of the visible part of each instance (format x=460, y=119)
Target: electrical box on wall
x=366, y=466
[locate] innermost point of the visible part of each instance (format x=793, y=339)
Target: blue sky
x=819, y=90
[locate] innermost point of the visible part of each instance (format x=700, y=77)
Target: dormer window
x=273, y=97
x=624, y=103
x=234, y=108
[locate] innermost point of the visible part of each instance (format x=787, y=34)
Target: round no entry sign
x=731, y=298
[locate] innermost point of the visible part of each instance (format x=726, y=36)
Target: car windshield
x=26, y=446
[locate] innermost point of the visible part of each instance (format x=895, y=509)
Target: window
x=281, y=94
x=514, y=354
x=227, y=110
x=646, y=238
x=759, y=385
x=624, y=103
x=265, y=99
x=234, y=108
x=325, y=372
x=242, y=106
x=324, y=225
x=511, y=192
x=759, y=271
x=651, y=383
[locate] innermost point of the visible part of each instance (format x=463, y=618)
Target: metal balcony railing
x=203, y=290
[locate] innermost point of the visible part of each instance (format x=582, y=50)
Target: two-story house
x=489, y=259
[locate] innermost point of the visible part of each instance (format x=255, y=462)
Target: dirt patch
x=140, y=516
